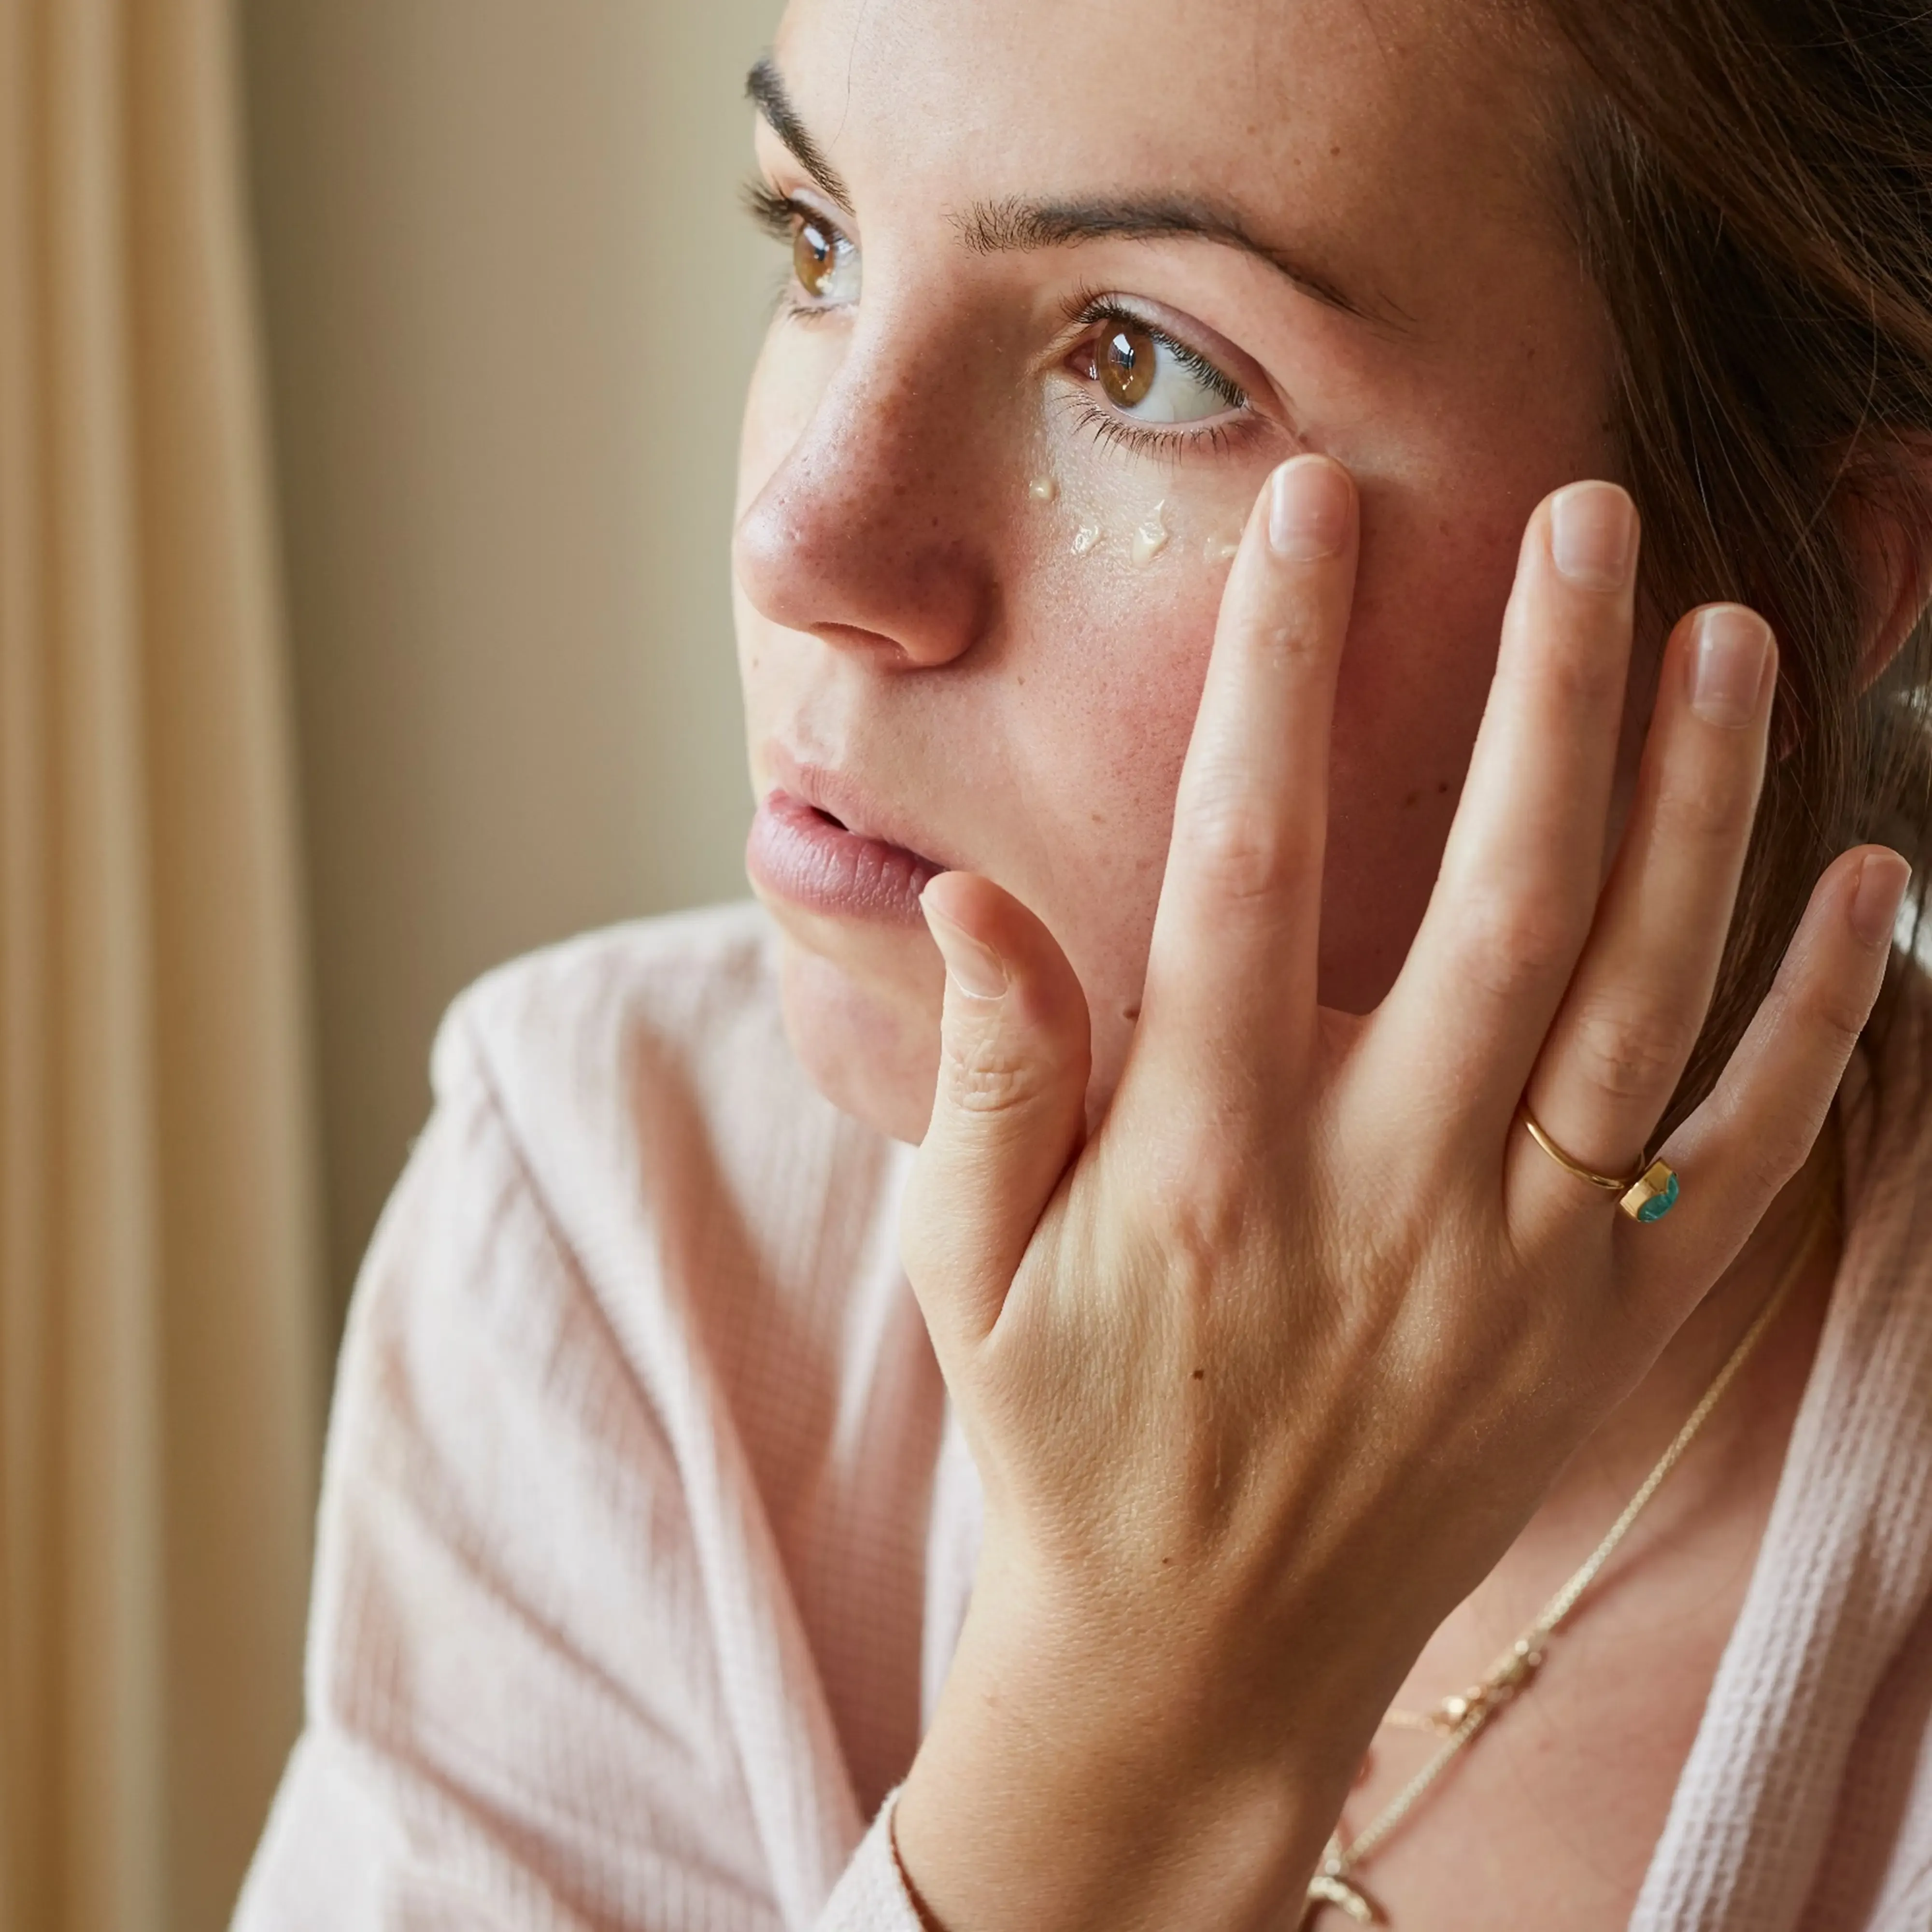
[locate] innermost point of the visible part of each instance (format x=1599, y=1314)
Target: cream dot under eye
x=1150, y=536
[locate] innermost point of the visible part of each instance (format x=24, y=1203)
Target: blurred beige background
x=509, y=306
x=432, y=564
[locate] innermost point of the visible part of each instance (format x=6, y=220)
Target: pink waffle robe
x=646, y=1536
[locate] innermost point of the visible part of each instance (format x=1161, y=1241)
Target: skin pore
x=935, y=649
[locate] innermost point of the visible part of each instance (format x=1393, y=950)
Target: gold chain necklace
x=1461, y=1719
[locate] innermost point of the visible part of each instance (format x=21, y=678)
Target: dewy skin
x=1150, y=537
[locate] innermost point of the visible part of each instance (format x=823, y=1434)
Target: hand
x=1264, y=1376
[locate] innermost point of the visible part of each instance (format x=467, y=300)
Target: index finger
x=1231, y=970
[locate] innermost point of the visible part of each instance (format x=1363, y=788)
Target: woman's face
x=1070, y=280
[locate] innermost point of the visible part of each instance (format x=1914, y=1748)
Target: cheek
x=1110, y=698
x=1097, y=713
x=1096, y=708
x=1430, y=597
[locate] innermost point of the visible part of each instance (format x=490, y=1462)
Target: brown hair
x=1752, y=183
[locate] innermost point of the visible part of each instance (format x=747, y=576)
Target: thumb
x=1009, y=1109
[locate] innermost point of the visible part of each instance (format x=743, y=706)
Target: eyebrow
x=1014, y=224
x=995, y=227
x=767, y=90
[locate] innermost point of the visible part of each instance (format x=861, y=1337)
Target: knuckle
x=1195, y=1206
x=1236, y=847
x=1203, y=1231
x=1507, y=943
x=1292, y=636
x=1628, y=1050
x=1776, y=1159
x=1762, y=1151
x=986, y=1071
x=1586, y=680
x=1707, y=811
x=1836, y=1020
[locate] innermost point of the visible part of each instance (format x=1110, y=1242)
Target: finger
x=1638, y=998
x=1009, y=1110
x=1762, y=1118
x=1232, y=965
x=1524, y=864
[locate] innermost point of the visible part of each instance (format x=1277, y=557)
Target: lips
x=810, y=856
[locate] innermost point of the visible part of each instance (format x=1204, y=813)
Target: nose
x=867, y=534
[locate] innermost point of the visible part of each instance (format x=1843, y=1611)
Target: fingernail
x=1729, y=649
x=1593, y=535
x=973, y=966
x=1883, y=880
x=1308, y=509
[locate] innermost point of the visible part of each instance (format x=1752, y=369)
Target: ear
x=1890, y=526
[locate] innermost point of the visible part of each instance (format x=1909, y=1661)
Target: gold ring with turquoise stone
x=1647, y=1196
x=1652, y=1194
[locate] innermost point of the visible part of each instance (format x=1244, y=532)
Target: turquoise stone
x=1659, y=1205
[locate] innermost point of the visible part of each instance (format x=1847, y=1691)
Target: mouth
x=808, y=855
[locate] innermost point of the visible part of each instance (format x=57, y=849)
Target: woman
x=1169, y=413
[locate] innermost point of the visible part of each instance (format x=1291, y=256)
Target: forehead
x=1394, y=136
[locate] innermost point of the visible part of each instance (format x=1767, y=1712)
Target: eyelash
x=774, y=214
x=1088, y=310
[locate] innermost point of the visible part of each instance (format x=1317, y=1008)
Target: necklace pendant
x=1330, y=1888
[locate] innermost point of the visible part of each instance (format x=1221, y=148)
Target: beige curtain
x=158, y=1372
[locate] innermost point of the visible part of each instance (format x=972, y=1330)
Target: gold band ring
x=1647, y=1195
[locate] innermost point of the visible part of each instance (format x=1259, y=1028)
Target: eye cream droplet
x=1219, y=550
x=1151, y=539
x=1085, y=538
x=1043, y=489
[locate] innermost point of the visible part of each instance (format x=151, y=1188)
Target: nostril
x=855, y=637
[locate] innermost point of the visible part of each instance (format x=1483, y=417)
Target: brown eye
x=1126, y=364
x=824, y=263
x=1151, y=376
x=814, y=256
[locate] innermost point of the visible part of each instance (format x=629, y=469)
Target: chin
x=866, y=1030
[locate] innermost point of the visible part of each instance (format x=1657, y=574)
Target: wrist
x=1077, y=1777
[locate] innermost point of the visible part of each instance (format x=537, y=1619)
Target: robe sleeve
x=517, y=1703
